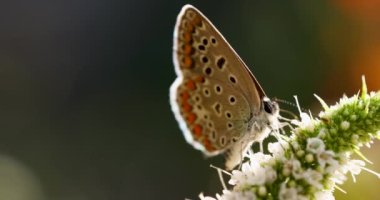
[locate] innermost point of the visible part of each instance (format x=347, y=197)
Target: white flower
x=259, y=157
x=305, y=118
x=270, y=175
x=355, y=166
x=289, y=193
x=309, y=170
x=288, y=167
x=338, y=177
x=314, y=178
x=305, y=123
x=326, y=157
x=236, y=195
x=324, y=195
x=256, y=176
x=251, y=173
x=333, y=165
x=315, y=145
x=276, y=149
x=296, y=168
x=343, y=158
x=237, y=177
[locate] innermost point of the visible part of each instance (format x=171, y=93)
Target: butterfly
x=217, y=101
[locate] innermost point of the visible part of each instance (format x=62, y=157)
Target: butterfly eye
x=268, y=107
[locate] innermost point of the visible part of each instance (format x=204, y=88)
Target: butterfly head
x=271, y=110
x=270, y=107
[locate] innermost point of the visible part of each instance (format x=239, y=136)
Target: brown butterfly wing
x=215, y=94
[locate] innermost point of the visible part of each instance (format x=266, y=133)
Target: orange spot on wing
x=200, y=79
x=185, y=96
x=191, y=85
x=187, y=37
x=189, y=28
x=207, y=144
x=191, y=118
x=186, y=106
x=197, y=130
x=187, y=49
x=187, y=62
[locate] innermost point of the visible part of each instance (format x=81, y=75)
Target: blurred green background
x=84, y=89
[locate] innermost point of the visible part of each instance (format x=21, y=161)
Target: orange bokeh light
x=367, y=9
x=367, y=62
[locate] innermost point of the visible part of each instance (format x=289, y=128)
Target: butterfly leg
x=220, y=171
x=241, y=156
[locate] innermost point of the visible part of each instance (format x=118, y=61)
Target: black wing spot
x=205, y=41
x=228, y=115
x=232, y=79
x=222, y=140
x=204, y=59
x=206, y=92
x=213, y=135
x=208, y=71
x=229, y=125
x=220, y=62
x=218, y=89
x=213, y=40
x=232, y=99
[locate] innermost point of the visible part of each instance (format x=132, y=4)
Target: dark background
x=84, y=110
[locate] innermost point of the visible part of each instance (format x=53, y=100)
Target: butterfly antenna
x=289, y=103
x=241, y=156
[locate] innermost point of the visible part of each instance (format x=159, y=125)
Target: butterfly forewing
x=215, y=95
